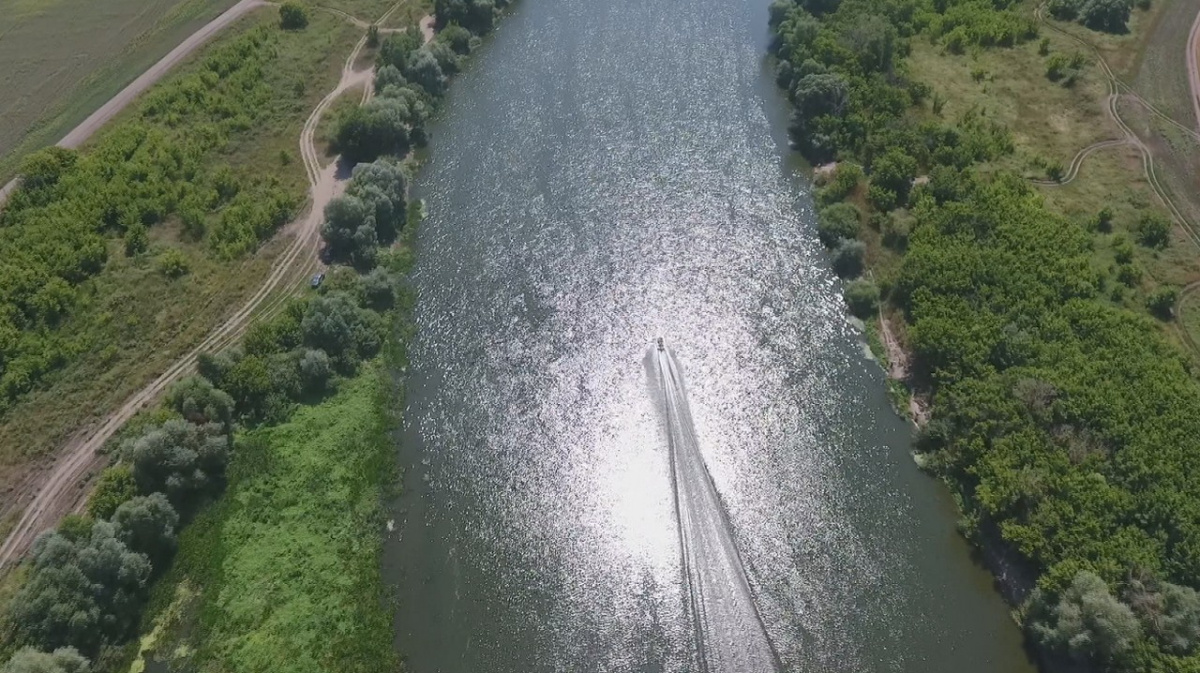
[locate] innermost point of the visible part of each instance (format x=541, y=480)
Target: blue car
x=316, y=280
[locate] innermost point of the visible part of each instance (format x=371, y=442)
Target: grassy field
x=134, y=321
x=1050, y=123
x=62, y=60
x=283, y=574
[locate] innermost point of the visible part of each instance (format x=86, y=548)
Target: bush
x=315, y=370
x=1087, y=622
x=1161, y=302
x=180, y=459
x=845, y=179
x=292, y=15
x=115, y=486
x=457, y=37
x=837, y=222
x=147, y=524
x=172, y=263
x=62, y=660
x=136, y=239
x=199, y=402
x=1153, y=230
x=862, y=296
x=848, y=259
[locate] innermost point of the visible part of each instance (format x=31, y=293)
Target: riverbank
x=1037, y=319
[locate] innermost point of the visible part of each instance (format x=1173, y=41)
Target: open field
x=133, y=321
x=63, y=60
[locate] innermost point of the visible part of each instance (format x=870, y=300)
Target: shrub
x=837, y=222
x=292, y=15
x=180, y=459
x=62, y=660
x=172, y=263
x=315, y=370
x=199, y=402
x=848, y=259
x=1161, y=302
x=862, y=296
x=136, y=239
x=147, y=524
x=845, y=178
x=1153, y=230
x=115, y=486
x=1087, y=622
x=457, y=37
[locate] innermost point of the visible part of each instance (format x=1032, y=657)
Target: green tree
x=424, y=70
x=292, y=15
x=147, y=524
x=181, y=459
x=837, y=223
x=848, y=258
x=62, y=660
x=81, y=594
x=1153, y=230
x=315, y=370
x=195, y=398
x=862, y=296
x=1087, y=622
x=457, y=37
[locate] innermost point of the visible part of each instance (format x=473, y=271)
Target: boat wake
x=729, y=633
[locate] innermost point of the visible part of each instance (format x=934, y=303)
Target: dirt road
x=89, y=126
x=1193, y=68
x=58, y=491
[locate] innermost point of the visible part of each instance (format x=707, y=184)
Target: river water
x=609, y=171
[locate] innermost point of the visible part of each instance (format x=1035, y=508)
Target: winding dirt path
x=56, y=492
x=1118, y=89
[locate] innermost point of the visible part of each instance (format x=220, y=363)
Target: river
x=575, y=500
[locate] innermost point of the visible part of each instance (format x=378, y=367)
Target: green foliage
x=308, y=546
x=386, y=125
x=457, y=37
x=62, y=660
x=1161, y=302
x=1065, y=67
x=1087, y=622
x=1110, y=16
x=81, y=594
x=837, y=223
x=182, y=460
x=136, y=239
x=172, y=263
x=197, y=401
x=146, y=524
x=476, y=16
x=848, y=258
x=862, y=296
x=370, y=214
x=1153, y=230
x=292, y=15
x=115, y=486
x=1169, y=612
x=845, y=179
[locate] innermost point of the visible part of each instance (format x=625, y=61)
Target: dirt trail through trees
x=50, y=494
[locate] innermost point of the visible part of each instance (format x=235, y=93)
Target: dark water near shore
x=607, y=172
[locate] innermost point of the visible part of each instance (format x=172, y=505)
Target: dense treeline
x=1067, y=425
x=54, y=230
